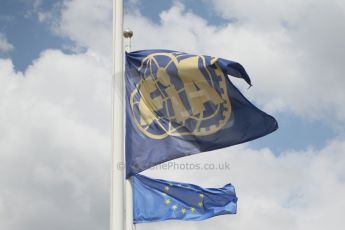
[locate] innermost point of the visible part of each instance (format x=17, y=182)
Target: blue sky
x=18, y=17
x=55, y=77
x=30, y=37
x=152, y=9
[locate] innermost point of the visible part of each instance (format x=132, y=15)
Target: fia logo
x=179, y=95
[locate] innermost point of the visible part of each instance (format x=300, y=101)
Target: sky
x=55, y=103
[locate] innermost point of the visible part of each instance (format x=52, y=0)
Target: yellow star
x=164, y=194
x=192, y=209
x=200, y=204
x=183, y=210
x=174, y=207
x=166, y=188
x=170, y=184
x=167, y=201
x=201, y=195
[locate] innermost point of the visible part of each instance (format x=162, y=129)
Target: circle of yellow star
x=174, y=207
x=167, y=201
x=183, y=210
x=192, y=209
x=166, y=188
x=200, y=204
x=201, y=195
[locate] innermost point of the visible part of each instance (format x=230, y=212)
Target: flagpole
x=128, y=34
x=117, y=170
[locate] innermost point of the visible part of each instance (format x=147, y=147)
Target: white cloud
x=88, y=23
x=296, y=190
x=303, y=64
x=295, y=60
x=295, y=65
x=5, y=46
x=54, y=143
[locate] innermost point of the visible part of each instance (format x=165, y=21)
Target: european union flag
x=180, y=104
x=158, y=200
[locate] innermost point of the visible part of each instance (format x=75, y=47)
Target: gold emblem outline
x=172, y=132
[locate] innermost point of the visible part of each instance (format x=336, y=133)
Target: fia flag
x=178, y=104
x=158, y=200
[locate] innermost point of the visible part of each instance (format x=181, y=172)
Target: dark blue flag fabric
x=158, y=200
x=178, y=104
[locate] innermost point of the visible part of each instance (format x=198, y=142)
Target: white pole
x=129, y=192
x=129, y=205
x=117, y=173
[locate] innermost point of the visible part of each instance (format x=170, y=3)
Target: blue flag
x=178, y=104
x=158, y=200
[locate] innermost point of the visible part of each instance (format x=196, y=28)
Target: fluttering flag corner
x=178, y=104
x=158, y=200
